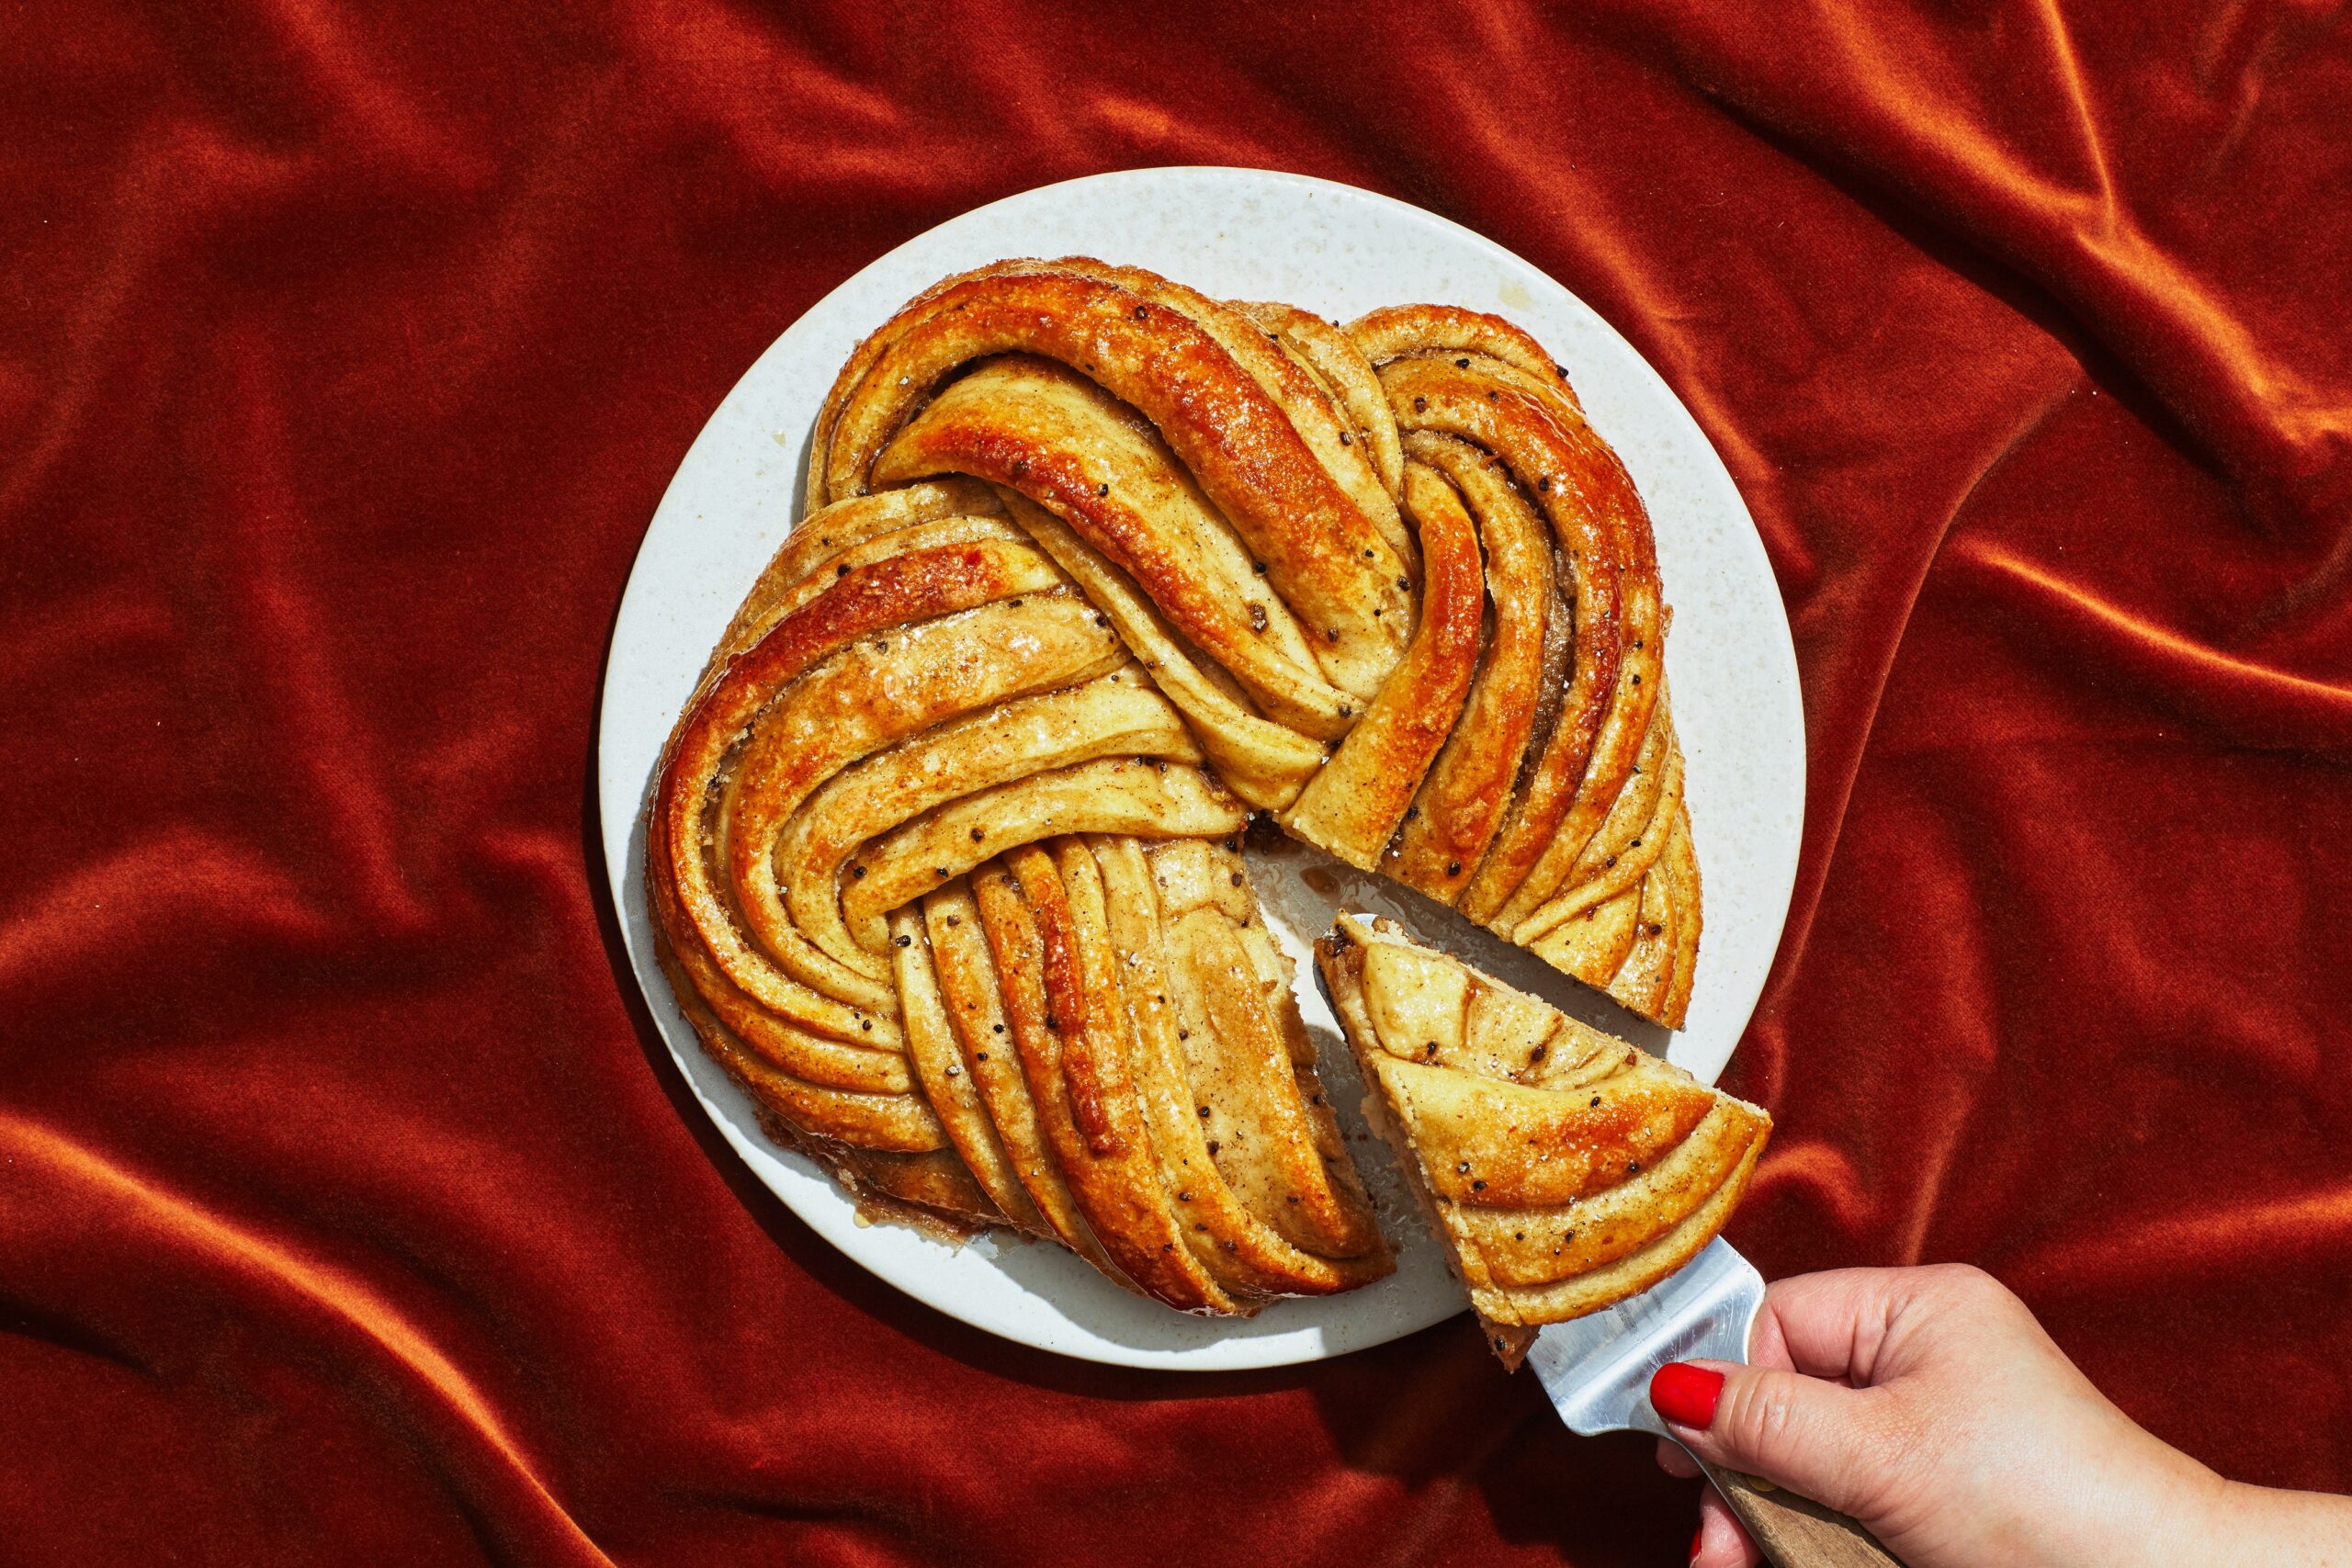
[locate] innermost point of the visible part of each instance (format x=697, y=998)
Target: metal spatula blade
x=1596, y=1370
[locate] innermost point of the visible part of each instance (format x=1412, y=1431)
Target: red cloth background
x=350, y=1210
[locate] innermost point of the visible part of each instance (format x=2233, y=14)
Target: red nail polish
x=1697, y=1540
x=1686, y=1395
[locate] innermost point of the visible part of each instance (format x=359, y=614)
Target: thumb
x=1821, y=1440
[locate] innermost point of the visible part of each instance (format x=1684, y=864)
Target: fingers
x=1674, y=1461
x=1720, y=1542
x=1849, y=1324
x=1821, y=1439
x=1828, y=1325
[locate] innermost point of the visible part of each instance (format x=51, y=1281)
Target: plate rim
x=1232, y=1352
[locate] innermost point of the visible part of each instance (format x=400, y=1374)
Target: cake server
x=1596, y=1370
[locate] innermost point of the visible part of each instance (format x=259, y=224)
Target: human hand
x=1929, y=1403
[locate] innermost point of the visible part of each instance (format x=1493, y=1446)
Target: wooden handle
x=1795, y=1533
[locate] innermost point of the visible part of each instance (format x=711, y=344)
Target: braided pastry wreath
x=944, y=856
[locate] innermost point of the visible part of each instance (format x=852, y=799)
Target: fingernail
x=1697, y=1540
x=1686, y=1395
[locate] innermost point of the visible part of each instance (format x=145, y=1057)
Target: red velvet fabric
x=351, y=1213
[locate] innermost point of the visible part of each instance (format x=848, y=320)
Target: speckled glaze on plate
x=1239, y=234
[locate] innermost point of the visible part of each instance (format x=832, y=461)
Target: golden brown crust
x=1487, y=406
x=1064, y=442
x=1265, y=763
x=1092, y=565
x=1355, y=805
x=1564, y=1170
x=973, y=991
x=1394, y=331
x=1437, y=395
x=1462, y=802
x=1075, y=1058
x=948, y=1082
x=1348, y=381
x=1182, y=1071
x=1150, y=343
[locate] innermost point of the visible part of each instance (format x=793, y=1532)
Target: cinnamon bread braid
x=1091, y=567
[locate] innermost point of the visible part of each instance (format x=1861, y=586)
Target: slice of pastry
x=1563, y=1169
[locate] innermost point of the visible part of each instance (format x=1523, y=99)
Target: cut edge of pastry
x=1587, y=1093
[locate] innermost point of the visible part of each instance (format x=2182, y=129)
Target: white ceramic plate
x=1241, y=234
